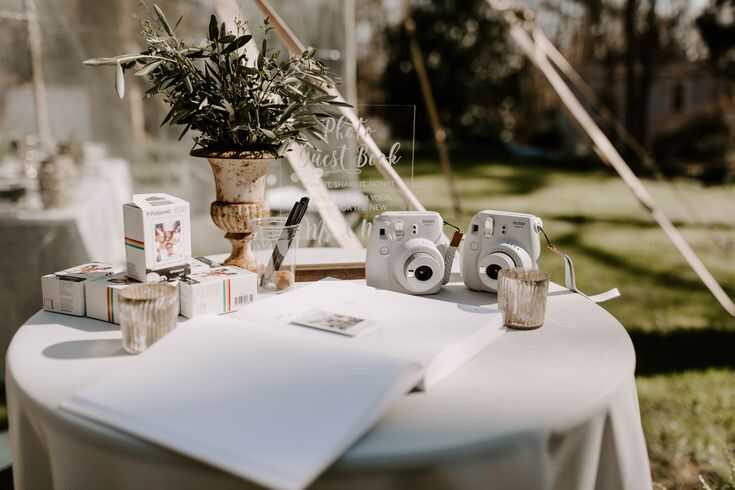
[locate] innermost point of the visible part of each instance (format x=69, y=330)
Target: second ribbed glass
x=522, y=297
x=147, y=312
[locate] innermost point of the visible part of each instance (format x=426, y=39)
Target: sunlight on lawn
x=678, y=329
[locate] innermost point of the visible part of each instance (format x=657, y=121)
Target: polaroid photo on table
x=348, y=325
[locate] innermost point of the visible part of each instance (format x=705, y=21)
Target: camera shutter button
x=384, y=250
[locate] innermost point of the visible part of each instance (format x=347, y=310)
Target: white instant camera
x=497, y=240
x=406, y=252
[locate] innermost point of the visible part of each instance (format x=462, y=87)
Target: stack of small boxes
x=157, y=248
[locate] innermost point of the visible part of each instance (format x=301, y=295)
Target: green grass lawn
x=685, y=342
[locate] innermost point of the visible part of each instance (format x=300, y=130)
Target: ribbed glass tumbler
x=522, y=297
x=147, y=313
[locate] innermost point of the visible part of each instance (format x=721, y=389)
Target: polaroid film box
x=157, y=234
x=217, y=290
x=101, y=296
x=63, y=292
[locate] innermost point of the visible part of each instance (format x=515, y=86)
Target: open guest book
x=440, y=335
x=275, y=402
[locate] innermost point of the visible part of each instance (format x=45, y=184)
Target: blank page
x=271, y=407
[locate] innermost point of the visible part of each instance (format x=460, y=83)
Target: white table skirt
x=554, y=408
x=35, y=242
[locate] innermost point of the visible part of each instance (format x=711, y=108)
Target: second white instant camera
x=406, y=252
x=497, y=240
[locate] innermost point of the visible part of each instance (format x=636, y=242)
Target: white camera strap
x=570, y=280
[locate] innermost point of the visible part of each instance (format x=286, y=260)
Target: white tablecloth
x=35, y=242
x=554, y=408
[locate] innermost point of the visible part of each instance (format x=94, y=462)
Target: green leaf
x=339, y=103
x=213, y=28
x=168, y=117
x=317, y=135
x=287, y=113
x=187, y=81
x=184, y=132
x=164, y=21
x=268, y=133
x=100, y=61
x=119, y=81
x=227, y=39
x=237, y=44
x=148, y=69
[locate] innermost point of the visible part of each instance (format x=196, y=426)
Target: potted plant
x=246, y=111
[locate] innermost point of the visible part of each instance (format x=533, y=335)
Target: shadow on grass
x=580, y=219
x=682, y=350
x=670, y=278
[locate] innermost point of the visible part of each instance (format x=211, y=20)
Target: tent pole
x=440, y=134
x=537, y=55
x=35, y=43
x=295, y=47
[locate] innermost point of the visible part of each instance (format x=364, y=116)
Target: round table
x=39, y=241
x=550, y=408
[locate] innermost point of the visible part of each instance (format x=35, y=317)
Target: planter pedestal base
x=235, y=219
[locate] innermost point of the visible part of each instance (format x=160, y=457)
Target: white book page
x=254, y=401
x=414, y=328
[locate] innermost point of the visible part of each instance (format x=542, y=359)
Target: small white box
x=100, y=296
x=218, y=290
x=157, y=234
x=63, y=292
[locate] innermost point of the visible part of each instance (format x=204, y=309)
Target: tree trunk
x=649, y=51
x=632, y=95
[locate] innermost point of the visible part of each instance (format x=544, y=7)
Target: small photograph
x=333, y=322
x=168, y=241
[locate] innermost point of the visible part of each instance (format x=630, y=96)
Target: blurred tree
x=474, y=72
x=716, y=25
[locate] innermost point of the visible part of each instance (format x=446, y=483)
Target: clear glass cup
x=274, y=246
x=148, y=311
x=522, y=297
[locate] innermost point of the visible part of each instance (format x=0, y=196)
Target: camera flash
x=489, y=225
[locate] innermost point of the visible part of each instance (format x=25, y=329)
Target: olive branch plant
x=234, y=103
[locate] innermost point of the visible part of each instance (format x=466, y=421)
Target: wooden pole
x=440, y=135
x=537, y=55
x=350, y=52
x=136, y=111
x=295, y=47
x=35, y=43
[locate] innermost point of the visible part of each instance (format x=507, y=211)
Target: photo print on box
x=168, y=241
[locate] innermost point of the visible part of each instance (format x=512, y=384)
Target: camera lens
x=423, y=273
x=492, y=271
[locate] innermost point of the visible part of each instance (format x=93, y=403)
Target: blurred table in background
x=36, y=241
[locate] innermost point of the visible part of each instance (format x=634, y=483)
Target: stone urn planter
x=239, y=180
